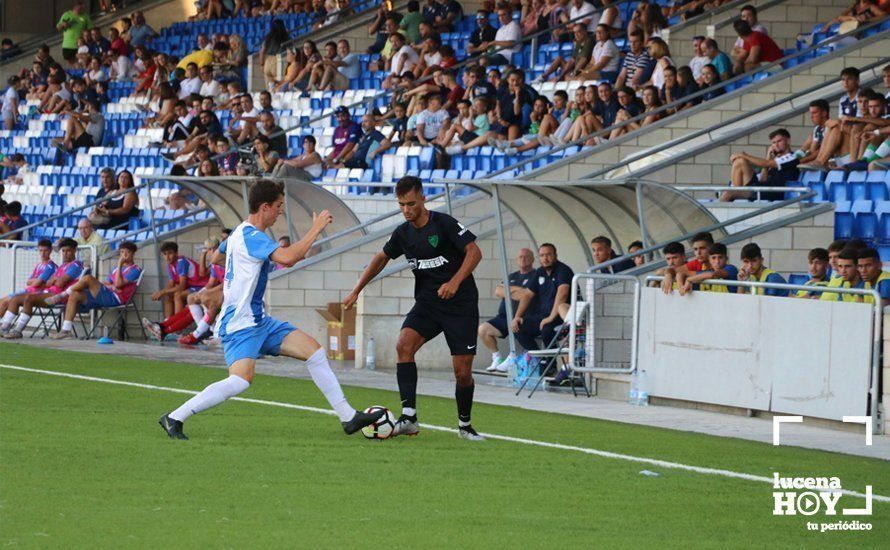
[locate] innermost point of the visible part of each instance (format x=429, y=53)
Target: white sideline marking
x=533, y=442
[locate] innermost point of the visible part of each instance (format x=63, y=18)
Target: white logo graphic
x=430, y=264
x=541, y=280
x=471, y=347
x=462, y=229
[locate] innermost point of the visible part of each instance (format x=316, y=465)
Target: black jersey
x=435, y=253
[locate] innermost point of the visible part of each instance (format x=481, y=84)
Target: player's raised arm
x=290, y=255
x=472, y=257
x=378, y=262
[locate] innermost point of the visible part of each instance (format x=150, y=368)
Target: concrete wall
x=712, y=166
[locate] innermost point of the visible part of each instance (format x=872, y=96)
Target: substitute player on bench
x=247, y=333
x=443, y=254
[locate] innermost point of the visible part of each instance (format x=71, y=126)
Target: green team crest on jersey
x=434, y=240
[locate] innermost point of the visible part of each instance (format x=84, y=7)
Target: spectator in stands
x=674, y=254
x=140, y=33
x=371, y=144
x=834, y=249
x=748, y=14
x=410, y=23
x=551, y=284
x=297, y=61
x=305, y=167
x=701, y=243
x=432, y=120
x=120, y=208
x=403, y=59
x=40, y=275
x=10, y=106
x=88, y=293
x=817, y=264
x=245, y=122
x=182, y=279
x=542, y=126
x=273, y=45
x=209, y=87
x=710, y=84
x=581, y=12
x=721, y=63
x=482, y=35
x=672, y=92
x=95, y=73
x=498, y=326
x=648, y=19
x=716, y=267
x=845, y=275
x=637, y=67
x=339, y=72
x=635, y=247
x=83, y=129
x=602, y=252
x=266, y=158
x=818, y=110
x=100, y=44
x=701, y=57
x=88, y=236
x=430, y=58
x=199, y=129
x=605, y=59
x=863, y=133
x=275, y=133
x=532, y=18
x=873, y=276
x=582, y=50
x=659, y=51
x=16, y=168
x=23, y=304
x=757, y=48
x=780, y=166
x=107, y=183
x=861, y=12
x=837, y=134
x=506, y=40
x=72, y=24
x=8, y=49
x=754, y=270
x=346, y=137
x=12, y=220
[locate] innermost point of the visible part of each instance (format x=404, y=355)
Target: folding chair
x=558, y=349
x=120, y=320
x=50, y=319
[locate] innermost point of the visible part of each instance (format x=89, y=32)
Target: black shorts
x=467, y=136
x=500, y=323
x=460, y=329
x=771, y=181
x=69, y=54
x=83, y=140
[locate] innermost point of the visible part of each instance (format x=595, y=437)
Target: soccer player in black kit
x=443, y=254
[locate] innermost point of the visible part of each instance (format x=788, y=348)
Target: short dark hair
x=703, y=236
x=869, y=254
x=67, y=243
x=14, y=208
x=837, y=246
x=751, y=251
x=128, y=245
x=674, y=248
x=780, y=132
x=856, y=244
x=548, y=245
x=264, y=192
x=820, y=104
x=717, y=248
x=749, y=7
x=169, y=246
x=413, y=5
x=741, y=27
x=817, y=254
x=406, y=184
x=561, y=93
x=638, y=244
x=849, y=254
x=602, y=240
x=851, y=71
x=45, y=243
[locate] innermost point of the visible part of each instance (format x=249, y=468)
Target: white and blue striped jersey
x=248, y=265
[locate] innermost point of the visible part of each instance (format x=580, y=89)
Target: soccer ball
x=383, y=428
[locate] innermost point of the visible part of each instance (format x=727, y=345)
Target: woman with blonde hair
x=659, y=51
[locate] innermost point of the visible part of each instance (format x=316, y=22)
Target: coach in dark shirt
x=551, y=284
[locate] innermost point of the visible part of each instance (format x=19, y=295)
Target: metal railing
x=877, y=310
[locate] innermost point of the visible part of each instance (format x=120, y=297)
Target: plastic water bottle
x=643, y=390
x=633, y=395
x=370, y=360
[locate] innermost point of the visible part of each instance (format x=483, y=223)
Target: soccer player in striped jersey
x=247, y=333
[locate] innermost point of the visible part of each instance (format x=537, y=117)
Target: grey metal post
x=154, y=235
x=448, y=199
x=290, y=226
x=505, y=272
x=244, y=196
x=643, y=233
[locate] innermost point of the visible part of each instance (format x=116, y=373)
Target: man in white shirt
x=245, y=124
x=431, y=120
x=701, y=57
x=191, y=84
x=210, y=87
x=505, y=41
x=581, y=8
x=10, y=108
x=403, y=60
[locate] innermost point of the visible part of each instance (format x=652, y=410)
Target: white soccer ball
x=383, y=428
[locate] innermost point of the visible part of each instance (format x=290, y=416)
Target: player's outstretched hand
x=350, y=300
x=321, y=220
x=448, y=290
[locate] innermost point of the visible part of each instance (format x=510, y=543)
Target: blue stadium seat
x=837, y=187
x=843, y=220
x=797, y=278
x=866, y=222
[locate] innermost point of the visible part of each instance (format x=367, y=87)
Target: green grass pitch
x=84, y=464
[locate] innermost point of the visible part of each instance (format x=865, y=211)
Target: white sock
x=197, y=312
x=496, y=356
x=408, y=411
x=203, y=327
x=326, y=380
x=22, y=322
x=67, y=291
x=211, y=396
x=67, y=326
x=7, y=320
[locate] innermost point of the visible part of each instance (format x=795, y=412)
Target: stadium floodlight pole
x=505, y=272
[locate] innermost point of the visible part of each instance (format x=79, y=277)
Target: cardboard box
x=341, y=331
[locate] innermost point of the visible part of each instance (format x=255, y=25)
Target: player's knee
x=463, y=377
